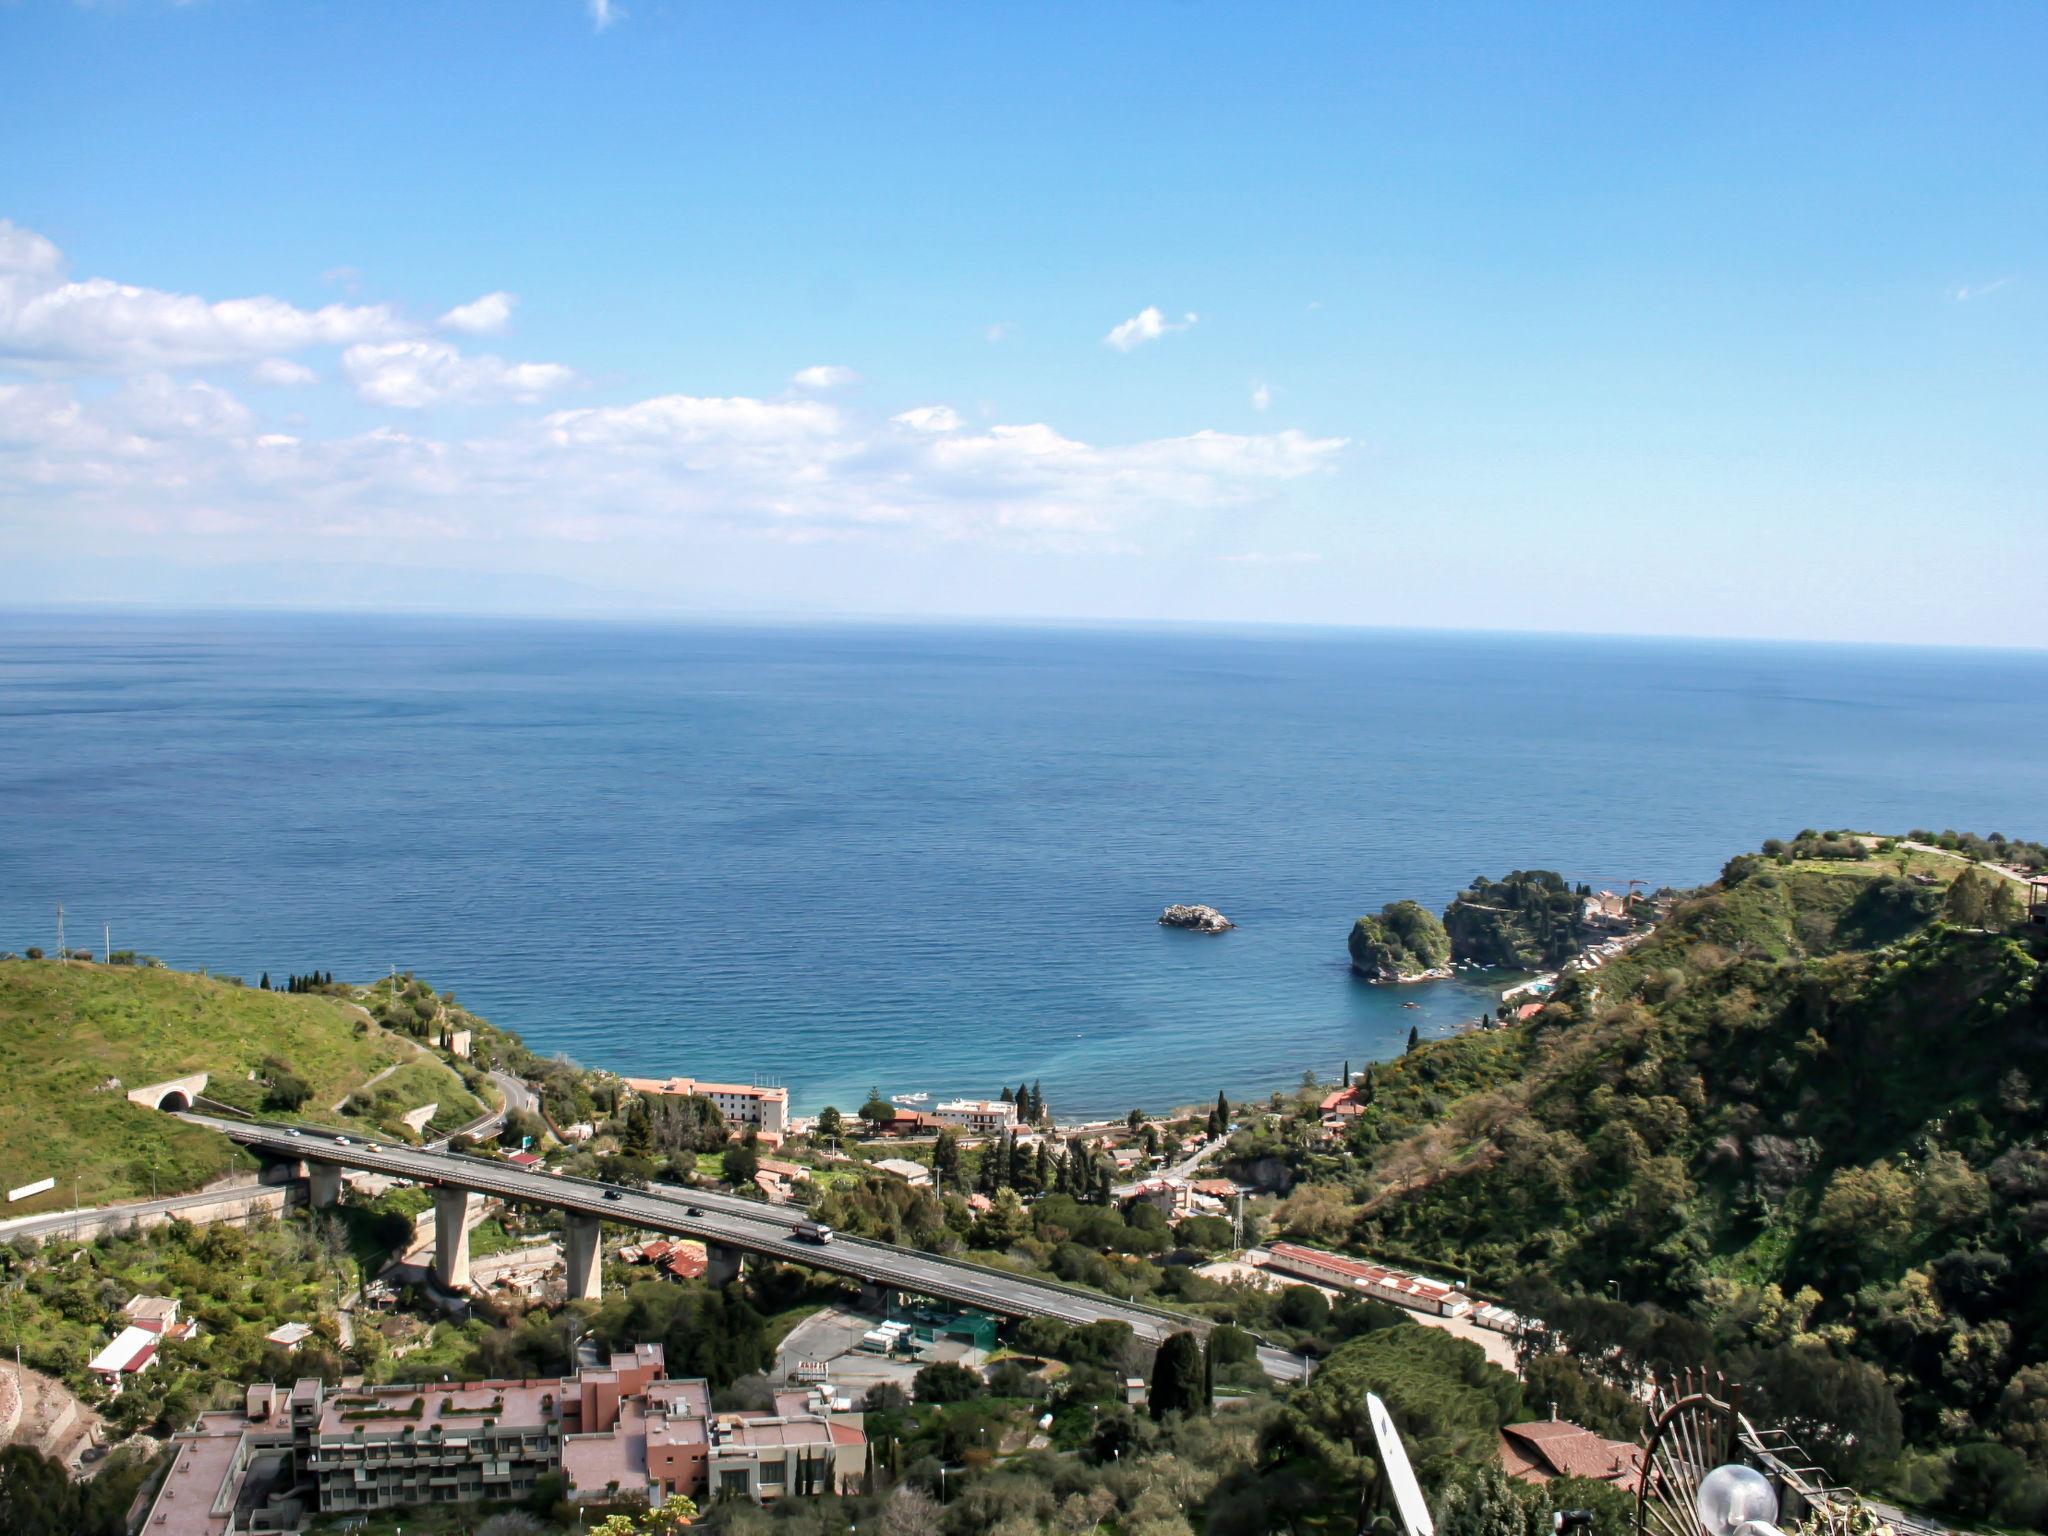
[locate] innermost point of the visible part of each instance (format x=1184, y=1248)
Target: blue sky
x=1714, y=320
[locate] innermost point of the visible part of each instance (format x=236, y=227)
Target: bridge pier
x=721, y=1264
x=323, y=1184
x=583, y=1256
x=884, y=1300
x=451, y=1238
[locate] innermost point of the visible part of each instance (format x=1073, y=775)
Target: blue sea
x=925, y=858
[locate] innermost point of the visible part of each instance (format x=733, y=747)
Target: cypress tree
x=1045, y=1168
x=1414, y=1037
x=265, y=983
x=1177, y=1377
x=1020, y=1172
x=1008, y=1097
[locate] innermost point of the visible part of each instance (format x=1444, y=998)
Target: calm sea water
x=924, y=858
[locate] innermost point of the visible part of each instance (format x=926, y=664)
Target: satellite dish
x=1407, y=1491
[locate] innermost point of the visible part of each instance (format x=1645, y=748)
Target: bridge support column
x=323, y=1181
x=880, y=1299
x=451, y=1238
x=721, y=1264
x=583, y=1253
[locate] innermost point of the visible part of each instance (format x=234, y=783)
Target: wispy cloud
x=486, y=316
x=1000, y=332
x=50, y=323
x=603, y=13
x=822, y=376
x=1148, y=324
x=1262, y=394
x=1968, y=292
x=413, y=375
x=1262, y=557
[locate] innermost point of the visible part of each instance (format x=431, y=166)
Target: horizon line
x=768, y=618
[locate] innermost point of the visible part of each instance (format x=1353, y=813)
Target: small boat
x=1411, y=1005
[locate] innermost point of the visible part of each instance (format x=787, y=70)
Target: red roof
x=523, y=1159
x=1549, y=1448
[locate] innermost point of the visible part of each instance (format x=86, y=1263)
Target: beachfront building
x=764, y=1109
x=1375, y=1280
x=982, y=1117
x=617, y=1431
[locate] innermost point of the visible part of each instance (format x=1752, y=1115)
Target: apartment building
x=764, y=1109
x=621, y=1429
x=983, y=1117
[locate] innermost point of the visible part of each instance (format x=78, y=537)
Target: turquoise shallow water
x=925, y=858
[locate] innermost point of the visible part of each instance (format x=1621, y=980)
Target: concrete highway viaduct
x=728, y=1227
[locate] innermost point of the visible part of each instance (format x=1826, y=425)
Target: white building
x=133, y=1351
x=984, y=1117
x=765, y=1109
x=915, y=1174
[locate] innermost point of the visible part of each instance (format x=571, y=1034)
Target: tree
x=1304, y=1308
x=830, y=1123
x=1008, y=1097
x=910, y=1511
x=742, y=1161
x=1135, y=1119
x=877, y=1109
x=286, y=1090
x=1414, y=1037
x=639, y=1138
x=265, y=982
x=1178, y=1375
x=946, y=1158
x=944, y=1382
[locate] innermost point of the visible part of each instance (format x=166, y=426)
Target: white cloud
x=52, y=325
x=824, y=376
x=282, y=372
x=603, y=13
x=486, y=316
x=1000, y=332
x=1260, y=557
x=1262, y=394
x=189, y=457
x=415, y=374
x=1148, y=324
x=929, y=418
x=1966, y=293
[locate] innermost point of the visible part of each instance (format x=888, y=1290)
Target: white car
x=343, y=1141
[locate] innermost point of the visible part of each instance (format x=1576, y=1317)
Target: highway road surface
x=744, y=1224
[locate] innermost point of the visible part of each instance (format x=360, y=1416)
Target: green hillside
x=67, y=1030
x=1798, y=1132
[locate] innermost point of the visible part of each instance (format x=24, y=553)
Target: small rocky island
x=1404, y=942
x=1201, y=919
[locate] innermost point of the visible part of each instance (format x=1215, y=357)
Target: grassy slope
x=64, y=1030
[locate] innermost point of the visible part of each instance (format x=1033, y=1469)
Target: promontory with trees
x=1531, y=921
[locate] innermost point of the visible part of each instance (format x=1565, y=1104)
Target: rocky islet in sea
x=1199, y=918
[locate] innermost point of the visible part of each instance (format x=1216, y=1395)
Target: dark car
x=694, y=1210
x=611, y=1194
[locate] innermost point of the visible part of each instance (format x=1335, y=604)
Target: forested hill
x=1800, y=1131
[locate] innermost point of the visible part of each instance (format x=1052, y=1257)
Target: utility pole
x=107, y=942
x=62, y=958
